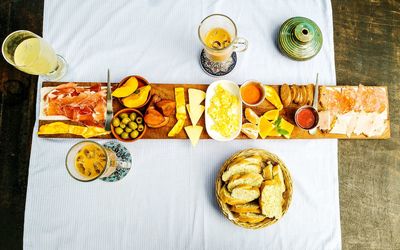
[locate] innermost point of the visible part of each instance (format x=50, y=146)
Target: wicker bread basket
x=287, y=195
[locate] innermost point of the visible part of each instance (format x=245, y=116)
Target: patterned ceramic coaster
x=217, y=68
x=124, y=161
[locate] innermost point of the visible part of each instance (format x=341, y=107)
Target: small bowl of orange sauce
x=306, y=117
x=252, y=93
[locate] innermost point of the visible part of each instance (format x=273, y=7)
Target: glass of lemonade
x=88, y=160
x=31, y=54
x=218, y=34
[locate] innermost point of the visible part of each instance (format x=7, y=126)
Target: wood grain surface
x=166, y=91
x=367, y=50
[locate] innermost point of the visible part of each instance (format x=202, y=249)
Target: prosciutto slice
x=85, y=105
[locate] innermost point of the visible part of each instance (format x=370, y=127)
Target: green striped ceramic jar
x=300, y=38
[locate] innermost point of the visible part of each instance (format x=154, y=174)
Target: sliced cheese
x=196, y=96
x=194, y=133
x=195, y=112
x=180, y=104
x=177, y=128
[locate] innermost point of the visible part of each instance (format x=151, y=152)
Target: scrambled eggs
x=224, y=111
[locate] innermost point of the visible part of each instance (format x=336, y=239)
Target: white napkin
x=167, y=200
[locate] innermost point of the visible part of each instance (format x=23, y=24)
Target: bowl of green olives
x=128, y=125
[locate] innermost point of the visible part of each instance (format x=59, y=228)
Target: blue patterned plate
x=124, y=161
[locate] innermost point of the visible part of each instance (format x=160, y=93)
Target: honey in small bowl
x=252, y=93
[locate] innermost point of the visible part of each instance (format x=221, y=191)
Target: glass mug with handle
x=31, y=54
x=218, y=34
x=87, y=161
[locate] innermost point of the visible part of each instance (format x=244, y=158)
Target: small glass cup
x=31, y=54
x=71, y=161
x=238, y=44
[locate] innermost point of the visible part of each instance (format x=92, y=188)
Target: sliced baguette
x=277, y=172
x=245, y=192
x=227, y=198
x=250, y=217
x=271, y=199
x=253, y=179
x=251, y=207
x=241, y=167
x=267, y=172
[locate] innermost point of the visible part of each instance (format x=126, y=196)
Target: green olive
x=119, y=130
x=134, y=134
x=132, y=125
x=139, y=120
x=123, y=115
x=126, y=120
x=128, y=129
x=122, y=125
x=140, y=127
x=125, y=135
x=132, y=116
x=115, y=122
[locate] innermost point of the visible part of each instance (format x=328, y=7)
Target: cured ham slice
x=342, y=122
x=84, y=105
x=345, y=99
x=358, y=110
x=325, y=120
x=371, y=99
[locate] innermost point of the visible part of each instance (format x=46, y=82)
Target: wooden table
x=367, y=49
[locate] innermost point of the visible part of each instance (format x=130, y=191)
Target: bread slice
x=245, y=192
x=251, y=207
x=253, y=179
x=242, y=166
x=250, y=217
x=267, y=172
x=277, y=173
x=271, y=199
x=227, y=198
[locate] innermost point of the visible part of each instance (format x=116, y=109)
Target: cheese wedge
x=180, y=104
x=196, y=96
x=195, y=112
x=177, y=128
x=194, y=133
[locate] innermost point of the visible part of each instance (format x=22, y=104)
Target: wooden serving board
x=166, y=91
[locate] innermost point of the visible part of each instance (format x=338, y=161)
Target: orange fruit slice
x=265, y=127
x=251, y=116
x=271, y=115
x=272, y=96
x=251, y=130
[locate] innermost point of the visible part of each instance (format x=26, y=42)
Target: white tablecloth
x=167, y=200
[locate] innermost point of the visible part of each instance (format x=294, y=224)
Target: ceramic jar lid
x=300, y=38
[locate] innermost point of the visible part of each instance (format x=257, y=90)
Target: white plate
x=233, y=88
